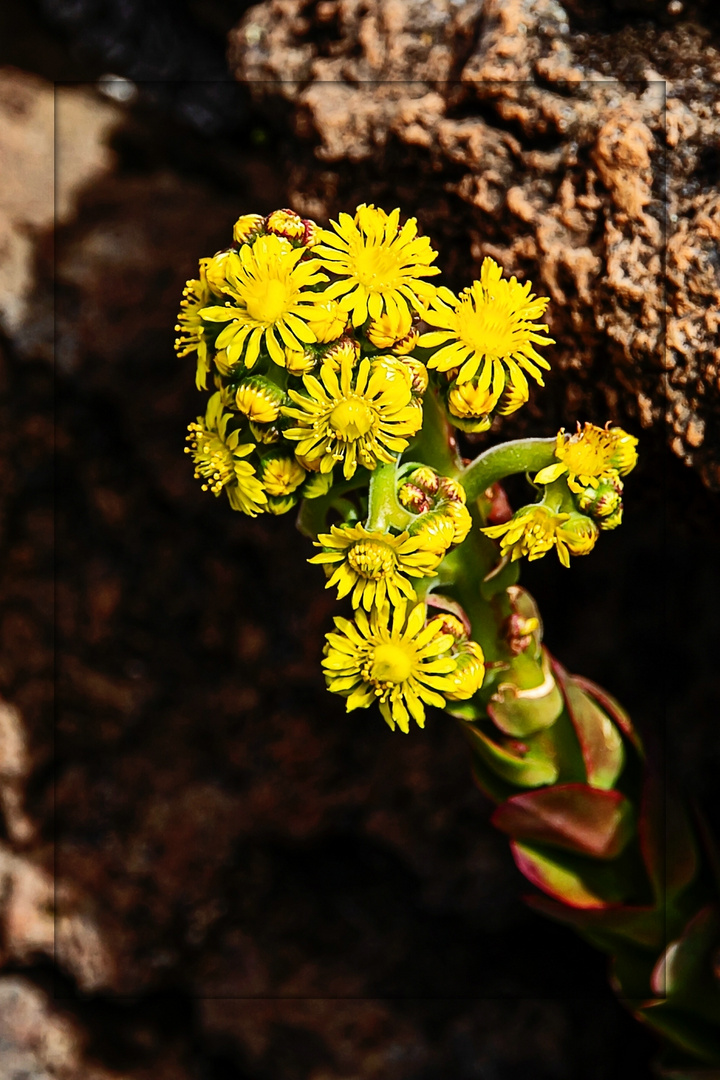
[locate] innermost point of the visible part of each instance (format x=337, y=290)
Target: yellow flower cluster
x=592, y=461
x=306, y=334
x=535, y=530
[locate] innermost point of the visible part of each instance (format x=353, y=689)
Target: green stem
x=435, y=444
x=493, y=465
x=384, y=510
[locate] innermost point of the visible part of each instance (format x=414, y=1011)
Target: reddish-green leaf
x=559, y=878
x=600, y=741
x=571, y=816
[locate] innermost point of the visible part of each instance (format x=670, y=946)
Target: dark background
x=281, y=891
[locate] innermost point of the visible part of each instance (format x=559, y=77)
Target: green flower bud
x=604, y=500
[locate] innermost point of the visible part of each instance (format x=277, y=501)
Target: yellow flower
x=271, y=288
x=218, y=460
x=246, y=226
x=281, y=474
x=591, y=454
x=379, y=266
x=359, y=417
x=189, y=326
x=259, y=399
x=374, y=564
x=403, y=665
x=533, y=531
x=489, y=328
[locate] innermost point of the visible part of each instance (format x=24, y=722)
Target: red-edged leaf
x=571, y=816
x=525, y=764
x=613, y=708
x=599, y=739
x=558, y=880
x=644, y=926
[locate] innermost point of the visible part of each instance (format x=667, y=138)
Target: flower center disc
x=488, y=331
x=351, y=419
x=390, y=663
x=371, y=559
x=267, y=302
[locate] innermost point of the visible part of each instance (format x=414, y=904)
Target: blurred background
x=207, y=870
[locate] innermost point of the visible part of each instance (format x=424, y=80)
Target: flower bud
x=512, y=398
x=426, y=479
x=414, y=499
x=317, y=485
x=579, y=534
x=470, y=407
x=624, y=454
x=265, y=433
x=390, y=328
x=447, y=623
x=419, y=375
x=461, y=520
x=246, y=227
x=327, y=320
x=341, y=349
x=452, y=490
x=281, y=474
x=612, y=521
x=469, y=673
x=259, y=399
x=281, y=504
x=286, y=223
x=602, y=501
x=436, y=530
x=299, y=361
x=215, y=271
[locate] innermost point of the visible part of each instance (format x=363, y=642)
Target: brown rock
x=584, y=161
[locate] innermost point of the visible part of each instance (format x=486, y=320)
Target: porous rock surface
x=583, y=156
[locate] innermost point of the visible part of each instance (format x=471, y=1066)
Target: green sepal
x=575, y=817
x=528, y=764
x=519, y=710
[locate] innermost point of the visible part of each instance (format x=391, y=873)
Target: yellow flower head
x=489, y=328
x=281, y=474
x=359, y=417
x=460, y=517
x=379, y=266
x=374, y=565
x=396, y=661
x=259, y=399
x=270, y=286
x=591, y=454
x=246, y=226
x=189, y=326
x=218, y=460
x=534, y=530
